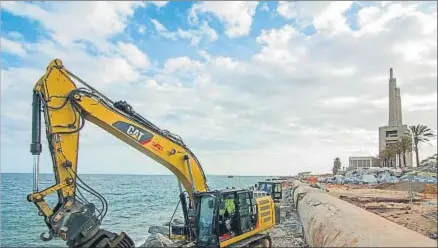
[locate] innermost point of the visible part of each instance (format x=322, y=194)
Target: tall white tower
x=389, y=135
x=398, y=107
x=395, y=113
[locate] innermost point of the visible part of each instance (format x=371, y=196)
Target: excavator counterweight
x=212, y=218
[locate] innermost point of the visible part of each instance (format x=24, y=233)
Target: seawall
x=330, y=222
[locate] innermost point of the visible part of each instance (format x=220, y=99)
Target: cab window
x=277, y=191
x=205, y=220
x=228, y=216
x=247, y=218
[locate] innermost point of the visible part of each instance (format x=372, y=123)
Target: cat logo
x=141, y=136
x=135, y=133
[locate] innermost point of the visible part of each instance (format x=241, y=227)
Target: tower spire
x=392, y=99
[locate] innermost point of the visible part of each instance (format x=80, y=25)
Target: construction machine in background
x=275, y=191
x=74, y=219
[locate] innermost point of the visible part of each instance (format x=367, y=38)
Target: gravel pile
x=286, y=237
x=289, y=233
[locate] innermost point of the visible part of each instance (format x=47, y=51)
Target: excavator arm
x=66, y=108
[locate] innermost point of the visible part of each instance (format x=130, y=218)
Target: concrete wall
x=331, y=222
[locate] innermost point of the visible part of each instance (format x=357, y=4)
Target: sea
x=135, y=202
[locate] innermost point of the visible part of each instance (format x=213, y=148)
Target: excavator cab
x=273, y=189
x=224, y=217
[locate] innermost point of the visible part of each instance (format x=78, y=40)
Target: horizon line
x=124, y=174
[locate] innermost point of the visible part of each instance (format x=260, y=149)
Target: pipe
x=187, y=159
x=331, y=222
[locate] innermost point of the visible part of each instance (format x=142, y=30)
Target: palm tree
x=432, y=160
x=420, y=134
x=391, y=150
x=405, y=144
x=384, y=155
x=336, y=166
x=398, y=152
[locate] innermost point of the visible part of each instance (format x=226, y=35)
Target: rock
x=159, y=229
x=158, y=240
x=175, y=221
x=178, y=222
x=433, y=235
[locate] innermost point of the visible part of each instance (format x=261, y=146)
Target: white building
x=362, y=162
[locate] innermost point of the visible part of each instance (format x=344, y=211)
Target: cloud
x=340, y=102
x=17, y=78
x=195, y=36
x=237, y=16
x=418, y=51
x=94, y=22
x=141, y=29
x=420, y=102
x=159, y=4
x=122, y=63
x=15, y=35
x=346, y=71
x=158, y=26
x=264, y=7
x=134, y=55
x=295, y=102
x=181, y=64
x=12, y=47
x=325, y=16
x=374, y=20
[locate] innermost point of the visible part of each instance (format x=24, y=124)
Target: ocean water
x=135, y=202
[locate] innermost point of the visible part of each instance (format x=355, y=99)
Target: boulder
x=175, y=221
x=158, y=240
x=159, y=229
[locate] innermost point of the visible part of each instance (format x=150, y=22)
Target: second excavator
x=213, y=218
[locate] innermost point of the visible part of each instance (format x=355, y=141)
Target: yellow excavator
x=75, y=220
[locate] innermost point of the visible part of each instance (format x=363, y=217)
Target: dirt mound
x=403, y=186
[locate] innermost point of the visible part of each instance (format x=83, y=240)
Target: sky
x=253, y=88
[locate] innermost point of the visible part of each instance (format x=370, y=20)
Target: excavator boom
x=67, y=104
x=66, y=108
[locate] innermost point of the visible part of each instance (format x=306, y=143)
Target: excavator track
x=258, y=240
